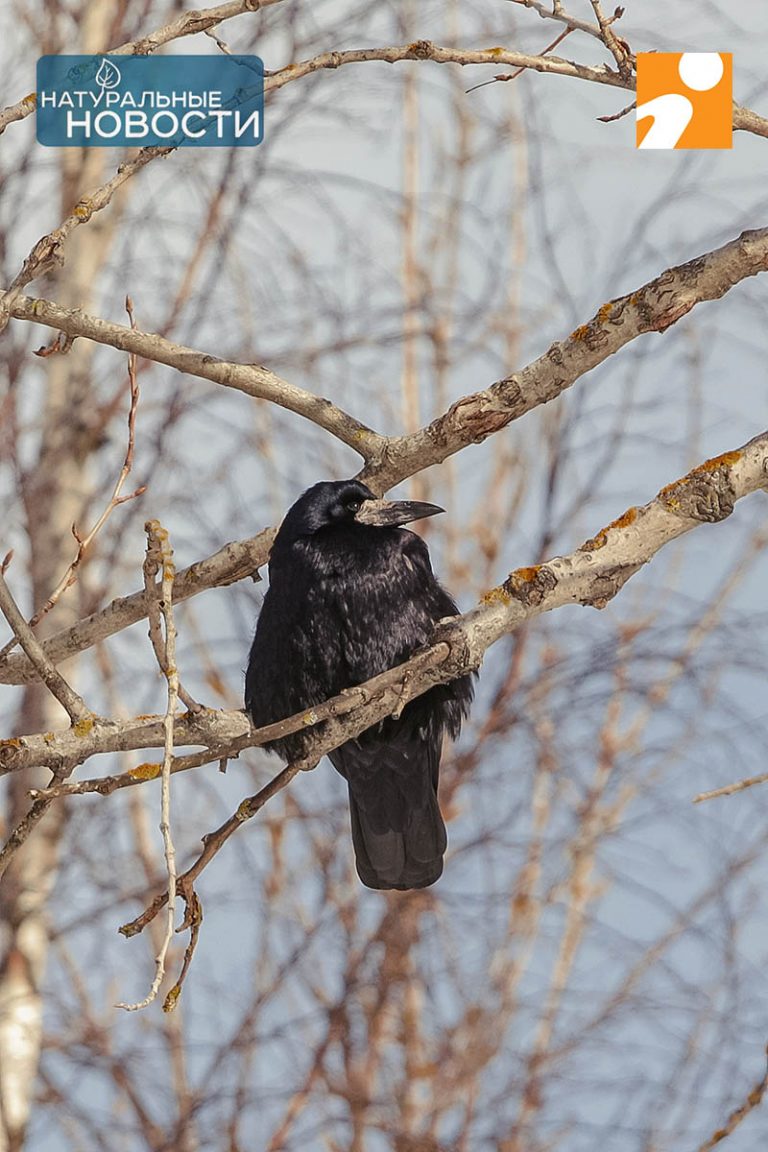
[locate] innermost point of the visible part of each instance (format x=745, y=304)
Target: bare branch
x=556, y=12
x=106, y=785
x=618, y=115
x=519, y=71
x=156, y=602
x=84, y=542
x=743, y=118
x=618, y=49
x=188, y=24
x=591, y=575
x=731, y=789
x=193, y=22
x=73, y=704
x=753, y=1100
x=652, y=308
x=233, y=562
x=18, y=111
x=252, y=379
x=48, y=251
x=160, y=602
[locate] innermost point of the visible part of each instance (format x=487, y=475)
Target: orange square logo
x=684, y=100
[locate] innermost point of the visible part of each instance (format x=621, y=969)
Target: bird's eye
x=354, y=505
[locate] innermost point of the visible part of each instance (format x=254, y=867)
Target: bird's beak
x=393, y=513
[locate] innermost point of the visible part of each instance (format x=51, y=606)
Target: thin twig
x=215, y=840
x=752, y=1101
x=707, y=494
x=557, y=12
x=158, y=626
x=252, y=379
x=73, y=704
x=618, y=115
x=84, y=542
x=618, y=48
x=218, y=41
x=654, y=307
x=593, y=574
x=519, y=71
x=106, y=785
x=730, y=789
x=160, y=557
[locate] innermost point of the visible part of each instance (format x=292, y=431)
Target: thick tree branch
x=592, y=575
x=252, y=379
x=652, y=308
x=233, y=562
x=200, y=21
x=743, y=118
x=48, y=251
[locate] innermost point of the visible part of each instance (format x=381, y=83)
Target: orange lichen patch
x=14, y=742
x=712, y=465
x=580, y=333
x=624, y=520
x=716, y=462
x=531, y=585
x=145, y=771
x=309, y=718
x=601, y=539
x=604, y=312
x=496, y=596
x=526, y=574
x=595, y=543
x=496, y=51
x=669, y=489
x=84, y=726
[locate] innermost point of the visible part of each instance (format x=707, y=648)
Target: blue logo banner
x=150, y=101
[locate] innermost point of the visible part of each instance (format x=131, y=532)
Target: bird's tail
x=408, y=858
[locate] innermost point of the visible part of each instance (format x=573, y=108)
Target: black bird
x=351, y=594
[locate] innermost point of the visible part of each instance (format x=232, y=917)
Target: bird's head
x=348, y=503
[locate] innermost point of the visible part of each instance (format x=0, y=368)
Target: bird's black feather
x=346, y=601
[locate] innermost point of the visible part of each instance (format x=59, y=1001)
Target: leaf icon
x=108, y=75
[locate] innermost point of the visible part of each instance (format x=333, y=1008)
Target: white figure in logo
x=699, y=71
